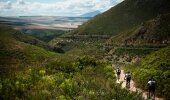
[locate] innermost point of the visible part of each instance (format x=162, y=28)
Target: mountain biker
x=128, y=79
x=151, y=88
x=118, y=71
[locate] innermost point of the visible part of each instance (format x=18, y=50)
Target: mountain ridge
x=91, y=14
x=124, y=16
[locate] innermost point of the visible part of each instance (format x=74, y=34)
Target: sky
x=53, y=7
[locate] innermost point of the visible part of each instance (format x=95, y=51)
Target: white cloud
x=5, y=5
x=60, y=8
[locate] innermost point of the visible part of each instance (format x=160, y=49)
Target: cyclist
x=118, y=71
x=151, y=88
x=128, y=79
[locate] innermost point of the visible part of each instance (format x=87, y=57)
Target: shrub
x=156, y=66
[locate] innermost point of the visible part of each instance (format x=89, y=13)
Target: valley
x=43, y=22
x=75, y=58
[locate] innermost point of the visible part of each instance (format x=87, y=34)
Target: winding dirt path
x=132, y=86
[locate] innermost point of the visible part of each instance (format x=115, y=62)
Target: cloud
x=6, y=5
x=21, y=2
x=58, y=8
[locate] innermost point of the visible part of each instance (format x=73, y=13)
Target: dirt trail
x=132, y=86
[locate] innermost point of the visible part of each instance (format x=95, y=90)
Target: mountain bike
x=151, y=95
x=118, y=76
x=127, y=84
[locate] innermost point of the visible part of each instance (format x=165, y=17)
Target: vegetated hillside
x=79, y=45
x=22, y=37
x=31, y=72
x=16, y=54
x=30, y=40
x=157, y=66
x=153, y=32
x=140, y=40
x=43, y=34
x=84, y=79
x=124, y=16
x=68, y=41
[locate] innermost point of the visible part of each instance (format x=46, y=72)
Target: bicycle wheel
x=148, y=95
x=128, y=84
x=118, y=77
x=152, y=95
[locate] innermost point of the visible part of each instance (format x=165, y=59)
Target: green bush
x=156, y=66
x=92, y=82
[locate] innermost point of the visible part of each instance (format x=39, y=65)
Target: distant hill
x=43, y=34
x=91, y=14
x=124, y=16
x=30, y=40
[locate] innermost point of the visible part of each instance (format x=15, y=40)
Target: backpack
x=128, y=76
x=118, y=70
x=151, y=84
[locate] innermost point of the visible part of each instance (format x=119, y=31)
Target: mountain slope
x=30, y=40
x=124, y=16
x=38, y=74
x=156, y=65
x=155, y=32
x=16, y=55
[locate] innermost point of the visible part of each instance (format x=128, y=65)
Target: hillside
x=17, y=54
x=30, y=40
x=30, y=72
x=124, y=16
x=43, y=34
x=153, y=32
x=155, y=65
